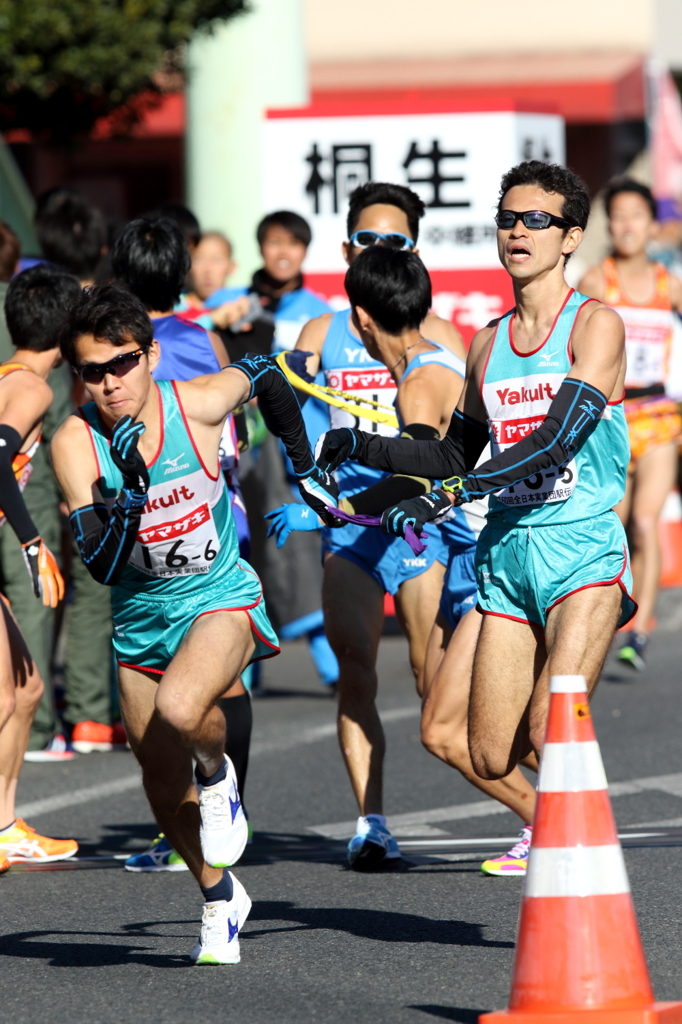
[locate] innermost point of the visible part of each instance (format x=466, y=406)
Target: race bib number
x=546, y=488
x=648, y=334
x=373, y=384
x=179, y=548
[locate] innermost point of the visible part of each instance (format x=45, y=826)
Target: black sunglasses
x=94, y=373
x=534, y=220
x=394, y=240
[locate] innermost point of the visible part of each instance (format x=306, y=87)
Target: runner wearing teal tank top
x=524, y=573
x=185, y=562
x=151, y=516
x=544, y=385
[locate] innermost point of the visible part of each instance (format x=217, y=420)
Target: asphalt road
x=432, y=941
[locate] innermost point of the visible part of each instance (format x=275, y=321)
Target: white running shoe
x=224, y=828
x=221, y=923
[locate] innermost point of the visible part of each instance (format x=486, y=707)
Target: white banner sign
x=454, y=161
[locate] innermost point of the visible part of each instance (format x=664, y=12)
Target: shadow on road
x=454, y=1013
x=378, y=925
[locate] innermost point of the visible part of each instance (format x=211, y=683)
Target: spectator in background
x=212, y=264
x=73, y=235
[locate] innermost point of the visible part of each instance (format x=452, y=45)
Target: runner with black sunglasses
x=151, y=515
x=360, y=561
x=544, y=385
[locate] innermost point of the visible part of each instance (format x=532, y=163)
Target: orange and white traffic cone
x=579, y=955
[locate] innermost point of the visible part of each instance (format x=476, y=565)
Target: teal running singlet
x=187, y=533
x=517, y=389
x=185, y=562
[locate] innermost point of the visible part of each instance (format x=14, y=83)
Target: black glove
x=336, y=446
x=319, y=490
x=125, y=456
x=427, y=508
x=296, y=361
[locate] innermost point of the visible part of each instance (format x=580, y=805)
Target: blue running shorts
x=149, y=628
x=459, y=586
x=524, y=571
x=388, y=560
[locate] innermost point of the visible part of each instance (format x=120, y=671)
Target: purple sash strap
x=410, y=536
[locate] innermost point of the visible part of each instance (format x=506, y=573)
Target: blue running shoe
x=372, y=846
x=159, y=857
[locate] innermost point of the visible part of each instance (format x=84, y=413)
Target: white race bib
x=374, y=384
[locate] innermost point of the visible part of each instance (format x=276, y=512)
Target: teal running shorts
x=524, y=571
x=149, y=628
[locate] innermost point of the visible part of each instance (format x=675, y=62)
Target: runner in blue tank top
x=552, y=563
x=152, y=519
x=380, y=284
x=359, y=561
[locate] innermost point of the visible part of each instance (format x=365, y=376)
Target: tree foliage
x=66, y=63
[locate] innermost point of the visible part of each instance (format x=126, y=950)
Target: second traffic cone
x=579, y=956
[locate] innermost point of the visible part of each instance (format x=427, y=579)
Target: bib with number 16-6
x=186, y=531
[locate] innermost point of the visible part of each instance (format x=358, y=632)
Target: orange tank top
x=648, y=327
x=21, y=463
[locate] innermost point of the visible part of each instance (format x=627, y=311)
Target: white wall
x=668, y=32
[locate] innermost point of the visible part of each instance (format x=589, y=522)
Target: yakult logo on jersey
x=166, y=501
x=513, y=396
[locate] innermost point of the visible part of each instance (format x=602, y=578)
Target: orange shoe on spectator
x=90, y=736
x=21, y=844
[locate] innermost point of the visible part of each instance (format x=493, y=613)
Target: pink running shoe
x=516, y=861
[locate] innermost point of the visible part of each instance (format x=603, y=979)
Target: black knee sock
x=239, y=719
x=222, y=890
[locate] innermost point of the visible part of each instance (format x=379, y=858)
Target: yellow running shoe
x=516, y=861
x=22, y=845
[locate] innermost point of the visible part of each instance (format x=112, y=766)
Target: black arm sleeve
x=13, y=505
x=571, y=417
x=457, y=452
x=280, y=406
x=392, y=489
x=106, y=539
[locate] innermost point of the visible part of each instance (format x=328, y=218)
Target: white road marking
x=275, y=741
x=671, y=784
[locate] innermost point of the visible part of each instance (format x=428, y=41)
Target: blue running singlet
x=461, y=530
x=517, y=390
x=186, y=349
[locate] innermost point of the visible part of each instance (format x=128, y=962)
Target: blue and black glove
x=125, y=456
x=417, y=512
x=287, y=518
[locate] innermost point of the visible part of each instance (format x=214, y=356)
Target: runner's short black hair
x=387, y=194
x=619, y=185
x=183, y=217
x=72, y=233
x=151, y=259
x=108, y=313
x=551, y=178
x=37, y=303
x=393, y=286
x=290, y=221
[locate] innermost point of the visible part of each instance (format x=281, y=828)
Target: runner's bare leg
x=445, y=714
x=171, y=721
